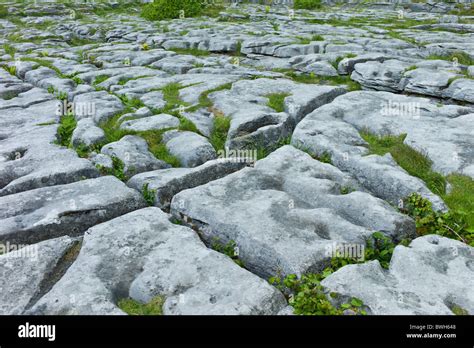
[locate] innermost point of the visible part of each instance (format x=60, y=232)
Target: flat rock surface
x=247, y=126
x=429, y=277
x=44, y=213
x=289, y=205
x=142, y=255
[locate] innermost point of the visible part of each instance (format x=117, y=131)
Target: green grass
x=204, y=100
x=113, y=133
x=307, y=4
x=230, y=249
x=148, y=195
x=191, y=51
x=75, y=41
x=461, y=57
x=414, y=162
x=263, y=151
x=132, y=307
x=397, y=35
x=131, y=104
x=99, y=79
x=67, y=124
x=276, y=101
x=461, y=199
x=157, y=148
x=335, y=64
x=45, y=63
x=410, y=68
x=449, y=224
x=124, y=80
x=117, y=169
x=187, y=125
x=324, y=80
x=9, y=49
x=171, y=95
x=219, y=132
x=3, y=11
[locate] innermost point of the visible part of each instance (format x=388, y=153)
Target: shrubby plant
x=170, y=9
x=3, y=11
x=428, y=221
x=307, y=4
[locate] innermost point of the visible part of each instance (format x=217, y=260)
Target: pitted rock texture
x=246, y=125
x=429, y=277
x=291, y=206
x=142, y=255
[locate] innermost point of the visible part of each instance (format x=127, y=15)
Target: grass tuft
x=132, y=307
x=276, y=101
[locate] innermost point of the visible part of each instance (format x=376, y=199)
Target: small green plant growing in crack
x=414, y=162
x=230, y=249
x=132, y=307
x=458, y=310
x=219, y=132
x=263, y=151
x=428, y=221
x=324, y=157
x=148, y=195
x=308, y=4
x=276, y=101
x=67, y=124
x=308, y=297
x=117, y=169
x=99, y=79
x=9, y=49
x=346, y=190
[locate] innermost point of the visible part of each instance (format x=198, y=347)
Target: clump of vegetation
x=324, y=80
x=117, y=169
x=3, y=11
x=9, y=49
x=345, y=190
x=414, y=162
x=148, y=195
x=132, y=307
x=191, y=51
x=335, y=64
x=308, y=296
x=204, y=100
x=459, y=57
x=113, y=133
x=457, y=310
x=99, y=79
x=276, y=101
x=170, y=9
x=460, y=200
x=428, y=221
x=66, y=127
x=157, y=148
x=230, y=249
x=458, y=223
x=187, y=125
x=171, y=95
x=325, y=157
x=308, y=4
x=219, y=132
x=264, y=151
